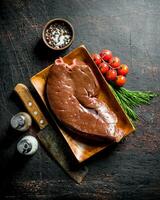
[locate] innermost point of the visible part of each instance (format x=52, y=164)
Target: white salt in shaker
x=21, y=121
x=28, y=145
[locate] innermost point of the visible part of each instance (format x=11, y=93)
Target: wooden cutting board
x=83, y=150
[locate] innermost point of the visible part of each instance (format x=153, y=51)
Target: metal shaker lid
x=28, y=145
x=21, y=121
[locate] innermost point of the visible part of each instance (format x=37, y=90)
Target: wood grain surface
x=131, y=29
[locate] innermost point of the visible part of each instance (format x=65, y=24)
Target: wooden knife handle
x=30, y=104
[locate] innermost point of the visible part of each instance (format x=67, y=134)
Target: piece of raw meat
x=72, y=92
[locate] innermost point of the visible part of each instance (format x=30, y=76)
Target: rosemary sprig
x=131, y=99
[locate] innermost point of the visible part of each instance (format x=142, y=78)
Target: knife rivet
x=29, y=103
x=35, y=112
x=41, y=121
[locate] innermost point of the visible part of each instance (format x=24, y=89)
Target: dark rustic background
x=131, y=29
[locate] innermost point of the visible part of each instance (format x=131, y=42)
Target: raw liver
x=72, y=92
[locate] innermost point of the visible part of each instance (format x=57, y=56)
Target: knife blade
x=49, y=138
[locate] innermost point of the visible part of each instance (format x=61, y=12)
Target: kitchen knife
x=49, y=138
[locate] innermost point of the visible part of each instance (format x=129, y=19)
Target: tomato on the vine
x=115, y=62
x=106, y=54
x=111, y=67
x=120, y=80
x=96, y=58
x=111, y=75
x=103, y=67
x=123, y=70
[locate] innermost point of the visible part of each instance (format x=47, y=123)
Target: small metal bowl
x=63, y=23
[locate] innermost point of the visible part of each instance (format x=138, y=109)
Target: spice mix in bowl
x=58, y=34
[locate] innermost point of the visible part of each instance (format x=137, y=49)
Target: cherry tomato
x=120, y=80
x=104, y=67
x=111, y=75
x=106, y=54
x=115, y=62
x=96, y=58
x=123, y=70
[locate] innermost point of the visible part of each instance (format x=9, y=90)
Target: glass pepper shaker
x=28, y=145
x=21, y=121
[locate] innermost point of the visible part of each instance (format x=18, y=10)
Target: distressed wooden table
x=131, y=29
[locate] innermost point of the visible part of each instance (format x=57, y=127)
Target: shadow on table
x=10, y=160
x=44, y=53
x=102, y=155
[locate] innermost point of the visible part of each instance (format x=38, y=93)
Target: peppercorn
x=58, y=35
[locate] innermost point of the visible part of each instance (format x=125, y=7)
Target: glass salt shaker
x=28, y=145
x=21, y=121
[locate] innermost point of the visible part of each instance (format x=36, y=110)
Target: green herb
x=131, y=99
